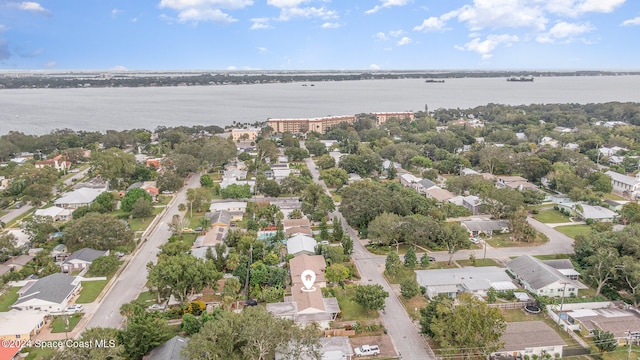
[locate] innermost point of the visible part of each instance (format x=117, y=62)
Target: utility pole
x=564, y=290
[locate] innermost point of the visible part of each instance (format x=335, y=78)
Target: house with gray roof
x=81, y=259
x=301, y=244
x=487, y=227
x=625, y=185
x=423, y=185
x=542, y=279
x=474, y=280
x=50, y=294
x=331, y=348
x=219, y=218
x=170, y=350
x=586, y=211
x=564, y=266
x=529, y=338
x=78, y=198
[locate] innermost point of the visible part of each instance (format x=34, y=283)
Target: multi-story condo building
x=323, y=124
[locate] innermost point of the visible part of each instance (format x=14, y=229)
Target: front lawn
x=60, y=323
x=90, y=291
x=504, y=240
x=39, y=353
x=479, y=262
x=574, y=230
x=414, y=305
x=551, y=217
x=8, y=298
x=349, y=309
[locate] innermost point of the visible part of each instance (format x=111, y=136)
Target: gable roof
x=426, y=183
x=170, y=350
x=219, y=217
x=289, y=223
x=53, y=288
x=485, y=225
x=21, y=260
x=86, y=254
x=625, y=179
x=470, y=278
x=52, y=211
x=440, y=194
x=535, y=272
x=300, y=243
x=298, y=264
x=79, y=196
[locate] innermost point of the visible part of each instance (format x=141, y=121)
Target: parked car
x=367, y=350
x=474, y=240
x=432, y=259
x=74, y=308
x=324, y=242
x=158, y=307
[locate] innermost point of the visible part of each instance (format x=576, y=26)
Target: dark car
x=251, y=302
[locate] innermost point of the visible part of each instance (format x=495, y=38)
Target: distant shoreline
x=116, y=79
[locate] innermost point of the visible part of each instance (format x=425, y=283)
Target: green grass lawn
x=612, y=196
x=413, y=305
x=574, y=230
x=551, y=217
x=539, y=206
x=146, y=298
x=59, y=323
x=351, y=310
x=90, y=291
x=8, y=298
x=39, y=353
x=503, y=240
x=479, y=262
x=553, y=256
x=143, y=223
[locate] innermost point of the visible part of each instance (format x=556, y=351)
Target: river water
x=38, y=111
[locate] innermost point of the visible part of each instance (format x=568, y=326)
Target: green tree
x=605, y=341
x=630, y=213
x=97, y=231
x=371, y=297
x=347, y=244
x=409, y=288
x=190, y=324
x=268, y=187
x=315, y=147
x=112, y=349
x=392, y=264
x=392, y=173
x=410, y=258
x=454, y=238
x=385, y=229
x=604, y=266
x=337, y=229
x=105, y=202
x=131, y=196
x=296, y=154
x=324, y=230
x=169, y=181
x=113, y=164
x=326, y=162
x=468, y=326
x=38, y=228
x=235, y=191
x=142, y=208
x=336, y=273
x=425, y=260
x=334, y=177
x=315, y=202
x=182, y=275
x=104, y=265
x=206, y=181
x=601, y=182
x=143, y=332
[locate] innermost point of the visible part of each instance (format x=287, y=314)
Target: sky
x=320, y=35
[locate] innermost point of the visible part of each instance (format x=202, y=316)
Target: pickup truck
x=367, y=350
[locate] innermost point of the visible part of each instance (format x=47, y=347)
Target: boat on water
x=520, y=78
x=433, y=81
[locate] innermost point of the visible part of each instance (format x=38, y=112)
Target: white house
x=20, y=326
x=50, y=294
x=474, y=280
x=301, y=244
x=230, y=206
x=548, y=141
x=81, y=259
x=476, y=227
x=542, y=279
x=54, y=212
x=79, y=197
x=586, y=211
x=627, y=186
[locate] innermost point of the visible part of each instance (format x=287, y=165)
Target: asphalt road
x=132, y=280
x=404, y=334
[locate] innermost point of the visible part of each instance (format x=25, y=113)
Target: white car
x=474, y=240
x=367, y=350
x=159, y=307
x=74, y=308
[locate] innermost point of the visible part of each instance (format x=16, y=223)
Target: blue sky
x=320, y=34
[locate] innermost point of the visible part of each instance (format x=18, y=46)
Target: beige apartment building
x=382, y=117
x=323, y=124
x=245, y=134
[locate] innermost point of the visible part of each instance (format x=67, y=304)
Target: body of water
x=38, y=111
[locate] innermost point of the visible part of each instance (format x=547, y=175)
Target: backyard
x=90, y=291
x=59, y=323
x=551, y=217
x=351, y=310
x=8, y=298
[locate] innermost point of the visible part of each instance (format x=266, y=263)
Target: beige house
x=315, y=263
x=20, y=325
x=245, y=134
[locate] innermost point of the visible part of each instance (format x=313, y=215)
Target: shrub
x=409, y=288
x=535, y=211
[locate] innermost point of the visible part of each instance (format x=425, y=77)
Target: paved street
x=404, y=334
x=134, y=277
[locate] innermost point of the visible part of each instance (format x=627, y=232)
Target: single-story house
x=78, y=198
x=564, y=266
x=586, y=211
x=315, y=263
x=474, y=280
x=301, y=244
x=18, y=262
x=298, y=230
x=149, y=187
x=439, y=194
x=219, y=218
x=587, y=318
x=233, y=181
x=483, y=226
x=305, y=307
x=423, y=185
x=468, y=171
x=515, y=182
x=615, y=205
x=20, y=325
x=54, y=212
x=169, y=350
x=470, y=202
x=409, y=180
x=542, y=279
x=530, y=338
x=235, y=173
x=56, y=162
x=295, y=223
x=81, y=259
x=214, y=236
x=4, y=269
x=50, y=294
x=625, y=185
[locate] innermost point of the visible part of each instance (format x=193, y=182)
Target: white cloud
x=262, y=50
x=50, y=65
x=285, y=3
x=330, y=25
x=115, y=12
x=396, y=33
x=382, y=36
x=386, y=4
x=260, y=24
x=500, y=14
x=431, y=24
x=134, y=20
x=564, y=32
x=204, y=10
x=631, y=22
x=486, y=47
x=600, y=6
x=32, y=6
x=404, y=41
x=374, y=67
x=287, y=14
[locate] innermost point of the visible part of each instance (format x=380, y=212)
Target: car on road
x=432, y=259
x=74, y=308
x=367, y=350
x=474, y=240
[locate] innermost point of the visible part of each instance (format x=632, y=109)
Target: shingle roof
x=289, y=223
x=426, y=183
x=54, y=288
x=534, y=272
x=219, y=217
x=528, y=334
x=298, y=264
x=625, y=179
x=86, y=254
x=485, y=225
x=79, y=196
x=170, y=350
x=300, y=243
x=559, y=263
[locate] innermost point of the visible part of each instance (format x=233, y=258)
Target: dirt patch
x=383, y=341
